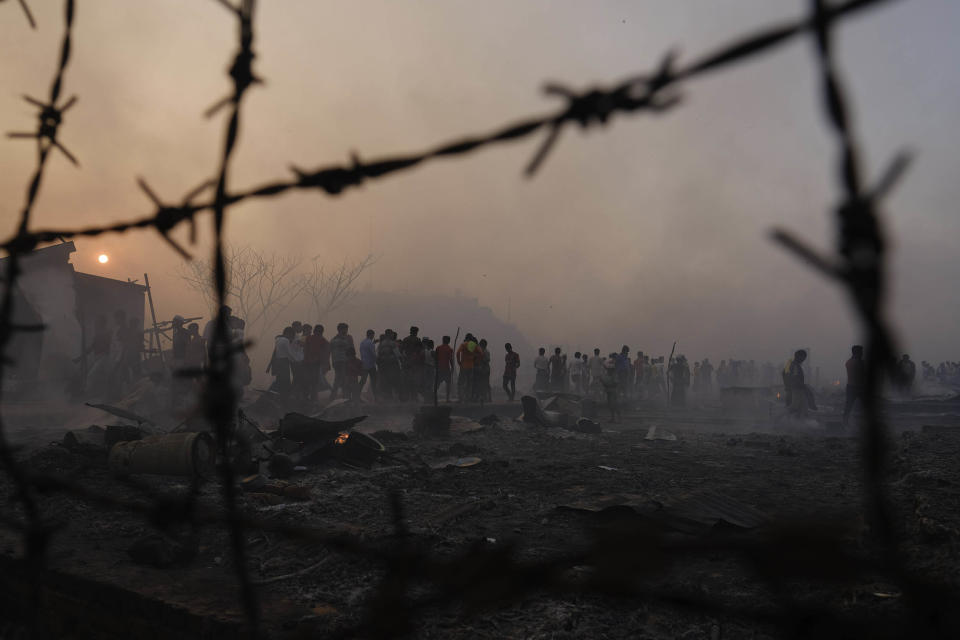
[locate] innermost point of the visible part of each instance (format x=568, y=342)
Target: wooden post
x=153, y=315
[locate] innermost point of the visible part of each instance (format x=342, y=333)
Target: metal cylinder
x=173, y=454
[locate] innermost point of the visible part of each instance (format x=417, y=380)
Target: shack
x=52, y=293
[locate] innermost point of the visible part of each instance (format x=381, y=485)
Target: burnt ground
x=536, y=495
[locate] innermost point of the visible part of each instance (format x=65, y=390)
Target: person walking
x=856, y=381
x=466, y=359
x=338, y=356
x=368, y=357
x=388, y=365
x=283, y=355
x=411, y=348
x=482, y=383
x=609, y=381
x=596, y=372
x=511, y=362
x=444, y=356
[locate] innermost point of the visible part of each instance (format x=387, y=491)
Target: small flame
x=836, y=383
x=778, y=395
x=342, y=438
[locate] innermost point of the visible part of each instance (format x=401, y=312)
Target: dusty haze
x=651, y=230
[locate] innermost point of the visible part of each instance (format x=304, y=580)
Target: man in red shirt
x=444, y=365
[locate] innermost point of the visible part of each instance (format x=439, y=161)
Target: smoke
x=649, y=231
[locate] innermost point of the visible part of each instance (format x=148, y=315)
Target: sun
x=103, y=258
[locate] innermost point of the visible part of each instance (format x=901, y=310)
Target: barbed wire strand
x=36, y=534
x=597, y=106
x=221, y=397
x=860, y=266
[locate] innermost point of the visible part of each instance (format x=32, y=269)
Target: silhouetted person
x=679, y=381
x=444, y=365
x=388, y=365
x=338, y=356
x=283, y=355
x=706, y=375
x=316, y=362
x=908, y=373
x=799, y=398
x=511, y=362
x=368, y=356
x=576, y=373
x=622, y=364
x=596, y=371
x=412, y=350
x=180, y=341
x=352, y=370
x=467, y=354
x=608, y=380
x=856, y=381
x=194, y=353
x=210, y=329
x=482, y=372
x=556, y=371
x=542, y=366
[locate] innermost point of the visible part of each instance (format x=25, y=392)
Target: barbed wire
x=860, y=266
x=36, y=533
x=654, y=92
x=480, y=575
x=221, y=398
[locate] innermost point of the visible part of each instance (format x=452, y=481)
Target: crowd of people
x=946, y=373
x=415, y=368
x=305, y=363
x=410, y=369
x=642, y=376
x=193, y=351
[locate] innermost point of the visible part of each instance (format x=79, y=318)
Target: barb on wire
x=50, y=117
x=808, y=254
x=168, y=216
x=26, y=11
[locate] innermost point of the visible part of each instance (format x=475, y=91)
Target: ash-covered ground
x=521, y=523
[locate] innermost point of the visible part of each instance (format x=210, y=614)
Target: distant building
x=50, y=292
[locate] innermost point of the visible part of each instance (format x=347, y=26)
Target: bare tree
x=260, y=286
x=330, y=289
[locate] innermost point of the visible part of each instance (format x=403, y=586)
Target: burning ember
x=342, y=438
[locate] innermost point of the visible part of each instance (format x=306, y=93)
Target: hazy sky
x=650, y=230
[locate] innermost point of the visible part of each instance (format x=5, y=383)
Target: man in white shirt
x=576, y=373
x=542, y=365
x=596, y=371
x=285, y=352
